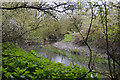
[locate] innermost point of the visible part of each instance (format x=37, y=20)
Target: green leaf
x=7, y=74
x=26, y=72
x=21, y=71
x=16, y=74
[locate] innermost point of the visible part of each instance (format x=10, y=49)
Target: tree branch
x=39, y=8
x=90, y=24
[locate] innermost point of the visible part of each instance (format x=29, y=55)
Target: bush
x=20, y=65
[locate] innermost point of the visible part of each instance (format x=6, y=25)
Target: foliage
x=51, y=28
x=18, y=64
x=17, y=23
x=97, y=33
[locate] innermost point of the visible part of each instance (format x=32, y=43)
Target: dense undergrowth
x=20, y=65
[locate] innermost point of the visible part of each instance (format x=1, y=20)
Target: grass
x=69, y=38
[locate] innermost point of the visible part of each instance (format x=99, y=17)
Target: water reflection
x=55, y=57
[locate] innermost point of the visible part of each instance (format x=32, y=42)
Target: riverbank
x=69, y=46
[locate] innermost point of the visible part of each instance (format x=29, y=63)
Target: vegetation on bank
x=18, y=64
x=77, y=55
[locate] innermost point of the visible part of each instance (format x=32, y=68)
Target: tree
x=16, y=23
